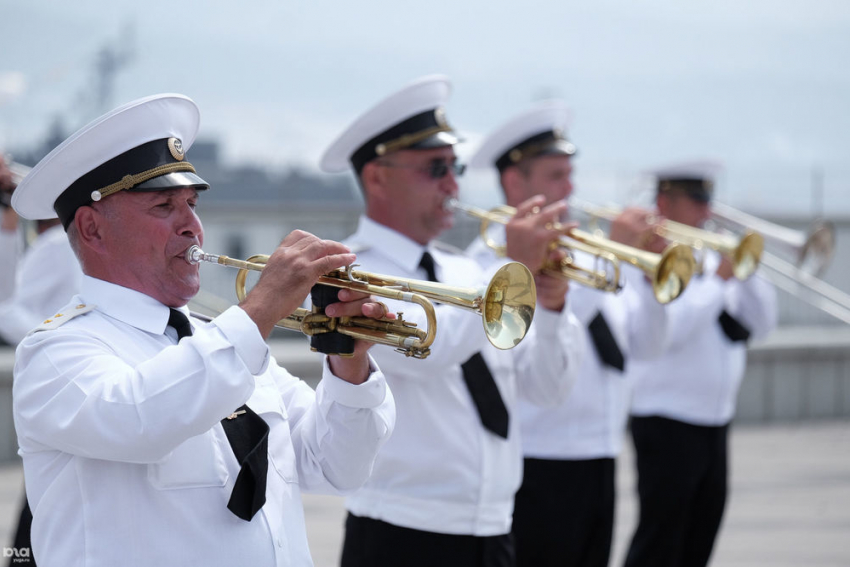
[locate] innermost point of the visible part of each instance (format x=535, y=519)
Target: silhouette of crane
x=109, y=61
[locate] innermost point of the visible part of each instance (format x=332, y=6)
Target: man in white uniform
x=684, y=399
x=443, y=486
x=46, y=277
x=149, y=438
x=564, y=513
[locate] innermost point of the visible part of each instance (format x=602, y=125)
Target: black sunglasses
x=436, y=169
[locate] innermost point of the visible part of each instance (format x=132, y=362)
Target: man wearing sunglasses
x=441, y=492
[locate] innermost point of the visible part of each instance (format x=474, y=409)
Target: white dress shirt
x=591, y=422
x=697, y=377
x=126, y=462
x=442, y=471
x=48, y=276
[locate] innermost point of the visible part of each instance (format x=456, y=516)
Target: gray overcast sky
x=763, y=86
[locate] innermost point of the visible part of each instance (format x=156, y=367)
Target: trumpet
x=506, y=304
x=669, y=272
x=744, y=252
x=603, y=279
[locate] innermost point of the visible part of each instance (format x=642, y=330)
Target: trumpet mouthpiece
x=194, y=254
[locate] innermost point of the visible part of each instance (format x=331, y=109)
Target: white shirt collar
x=127, y=305
x=397, y=247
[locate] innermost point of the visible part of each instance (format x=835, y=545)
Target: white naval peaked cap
x=139, y=146
x=539, y=130
x=695, y=169
x=411, y=118
x=694, y=178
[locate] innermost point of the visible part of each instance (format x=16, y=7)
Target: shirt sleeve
x=753, y=302
x=548, y=359
x=74, y=393
x=338, y=429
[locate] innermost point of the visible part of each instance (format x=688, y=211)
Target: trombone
x=27, y=228
x=19, y=171
x=669, y=272
x=744, y=252
x=506, y=304
x=813, y=248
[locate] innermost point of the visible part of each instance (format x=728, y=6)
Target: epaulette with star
x=63, y=317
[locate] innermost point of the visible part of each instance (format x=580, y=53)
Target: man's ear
x=373, y=180
x=89, y=225
x=513, y=183
x=663, y=202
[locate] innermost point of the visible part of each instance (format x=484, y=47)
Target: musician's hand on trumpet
x=726, y=269
x=291, y=271
x=638, y=228
x=529, y=232
x=355, y=304
x=287, y=278
x=551, y=290
x=529, y=235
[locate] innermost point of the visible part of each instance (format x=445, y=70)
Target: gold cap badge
x=175, y=146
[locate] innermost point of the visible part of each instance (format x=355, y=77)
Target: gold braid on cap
x=532, y=150
x=130, y=181
x=408, y=140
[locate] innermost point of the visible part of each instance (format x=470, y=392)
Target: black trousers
x=564, y=513
x=682, y=484
x=22, y=536
x=373, y=543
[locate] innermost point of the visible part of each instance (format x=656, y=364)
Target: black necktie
x=248, y=435
x=180, y=323
x=479, y=381
x=734, y=330
x=606, y=345
x=427, y=264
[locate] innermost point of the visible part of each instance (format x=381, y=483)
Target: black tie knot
x=180, y=323
x=427, y=264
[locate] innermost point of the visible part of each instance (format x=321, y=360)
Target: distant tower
x=95, y=97
x=109, y=61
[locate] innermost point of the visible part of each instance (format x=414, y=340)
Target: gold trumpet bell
x=508, y=305
x=673, y=272
x=747, y=255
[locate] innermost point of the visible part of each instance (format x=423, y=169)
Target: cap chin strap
x=408, y=140
x=130, y=181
